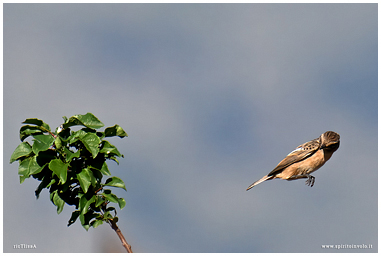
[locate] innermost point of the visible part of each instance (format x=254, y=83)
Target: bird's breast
x=312, y=163
x=306, y=166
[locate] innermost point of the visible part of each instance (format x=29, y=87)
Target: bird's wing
x=302, y=152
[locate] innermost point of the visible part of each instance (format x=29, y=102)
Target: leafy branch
x=71, y=164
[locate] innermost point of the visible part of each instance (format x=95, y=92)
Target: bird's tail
x=260, y=181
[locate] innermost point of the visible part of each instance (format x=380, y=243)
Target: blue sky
x=212, y=97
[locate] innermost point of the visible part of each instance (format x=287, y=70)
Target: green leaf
x=58, y=202
x=121, y=203
x=107, y=213
x=64, y=134
x=46, y=182
x=24, y=167
x=110, y=209
x=85, y=219
x=58, y=142
x=84, y=204
x=107, y=216
x=24, y=149
x=85, y=214
x=91, y=142
x=59, y=168
x=81, y=205
x=96, y=223
x=113, y=158
x=93, y=179
x=28, y=130
x=22, y=179
x=109, y=196
x=115, y=182
x=109, y=149
x=74, y=217
x=88, y=120
x=76, y=136
x=84, y=223
x=34, y=167
x=37, y=122
x=96, y=177
x=70, y=155
x=105, y=169
x=44, y=172
x=115, y=130
x=101, y=135
x=84, y=179
x=99, y=201
x=42, y=142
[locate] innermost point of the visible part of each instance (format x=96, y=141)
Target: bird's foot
x=310, y=181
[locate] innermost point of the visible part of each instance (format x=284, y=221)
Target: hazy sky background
x=212, y=97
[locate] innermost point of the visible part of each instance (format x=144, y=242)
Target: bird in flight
x=305, y=159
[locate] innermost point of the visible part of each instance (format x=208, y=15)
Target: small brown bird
x=305, y=159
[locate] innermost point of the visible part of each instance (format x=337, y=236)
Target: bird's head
x=330, y=141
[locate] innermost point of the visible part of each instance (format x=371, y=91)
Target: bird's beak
x=323, y=146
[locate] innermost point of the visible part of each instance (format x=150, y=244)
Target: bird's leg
x=310, y=181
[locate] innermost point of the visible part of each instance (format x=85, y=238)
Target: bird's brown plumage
x=305, y=159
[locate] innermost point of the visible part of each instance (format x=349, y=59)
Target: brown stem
x=54, y=136
x=120, y=235
x=99, y=189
